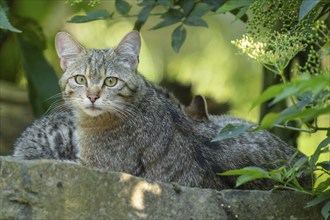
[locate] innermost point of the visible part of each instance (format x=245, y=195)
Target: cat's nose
x=93, y=97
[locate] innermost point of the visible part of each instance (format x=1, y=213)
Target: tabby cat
x=117, y=120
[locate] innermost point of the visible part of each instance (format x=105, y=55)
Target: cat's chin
x=93, y=111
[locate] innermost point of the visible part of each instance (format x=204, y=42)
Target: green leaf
x=195, y=21
x=292, y=111
x=306, y=6
x=313, y=85
x=296, y=167
x=166, y=3
x=269, y=93
x=323, y=185
x=122, y=7
x=200, y=10
x=247, y=178
x=305, y=114
x=42, y=80
x=315, y=156
x=91, y=16
x=187, y=6
x=231, y=131
x=268, y=121
x=241, y=13
x=324, y=143
x=289, y=90
x=309, y=114
x=143, y=16
x=245, y=170
x=195, y=16
x=172, y=16
x=320, y=198
x=4, y=22
x=178, y=37
x=234, y=4
x=215, y=4
x=247, y=174
x=277, y=174
x=325, y=165
x=325, y=211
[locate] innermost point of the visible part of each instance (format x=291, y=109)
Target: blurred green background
x=207, y=63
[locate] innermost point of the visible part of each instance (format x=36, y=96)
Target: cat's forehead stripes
x=96, y=65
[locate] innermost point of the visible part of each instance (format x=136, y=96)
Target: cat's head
x=98, y=81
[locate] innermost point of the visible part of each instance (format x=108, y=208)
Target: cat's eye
x=110, y=81
x=80, y=79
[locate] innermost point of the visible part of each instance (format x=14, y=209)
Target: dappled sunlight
x=138, y=196
x=125, y=177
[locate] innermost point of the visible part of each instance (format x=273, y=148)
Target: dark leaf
x=320, y=198
x=324, y=143
x=323, y=185
x=296, y=168
x=289, y=90
x=178, y=37
x=291, y=112
x=241, y=13
x=214, y=4
x=122, y=7
x=4, y=22
x=42, y=80
x=305, y=114
x=172, y=16
x=195, y=16
x=195, y=21
x=231, y=131
x=142, y=17
x=318, y=151
x=187, y=6
x=309, y=114
x=325, y=165
x=200, y=10
x=166, y=3
x=306, y=6
x=325, y=211
x=313, y=85
x=234, y=4
x=269, y=93
x=91, y=16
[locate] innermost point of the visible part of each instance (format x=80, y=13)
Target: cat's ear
x=129, y=48
x=197, y=109
x=67, y=48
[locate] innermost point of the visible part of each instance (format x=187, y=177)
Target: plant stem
x=285, y=82
x=295, y=129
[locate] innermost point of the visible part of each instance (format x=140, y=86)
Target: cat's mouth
x=92, y=110
x=93, y=107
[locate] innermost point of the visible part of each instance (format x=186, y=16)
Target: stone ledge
x=46, y=189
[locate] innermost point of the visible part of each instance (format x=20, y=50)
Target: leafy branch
x=181, y=13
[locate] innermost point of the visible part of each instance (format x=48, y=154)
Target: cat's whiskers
x=59, y=105
x=125, y=109
x=56, y=96
x=120, y=112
